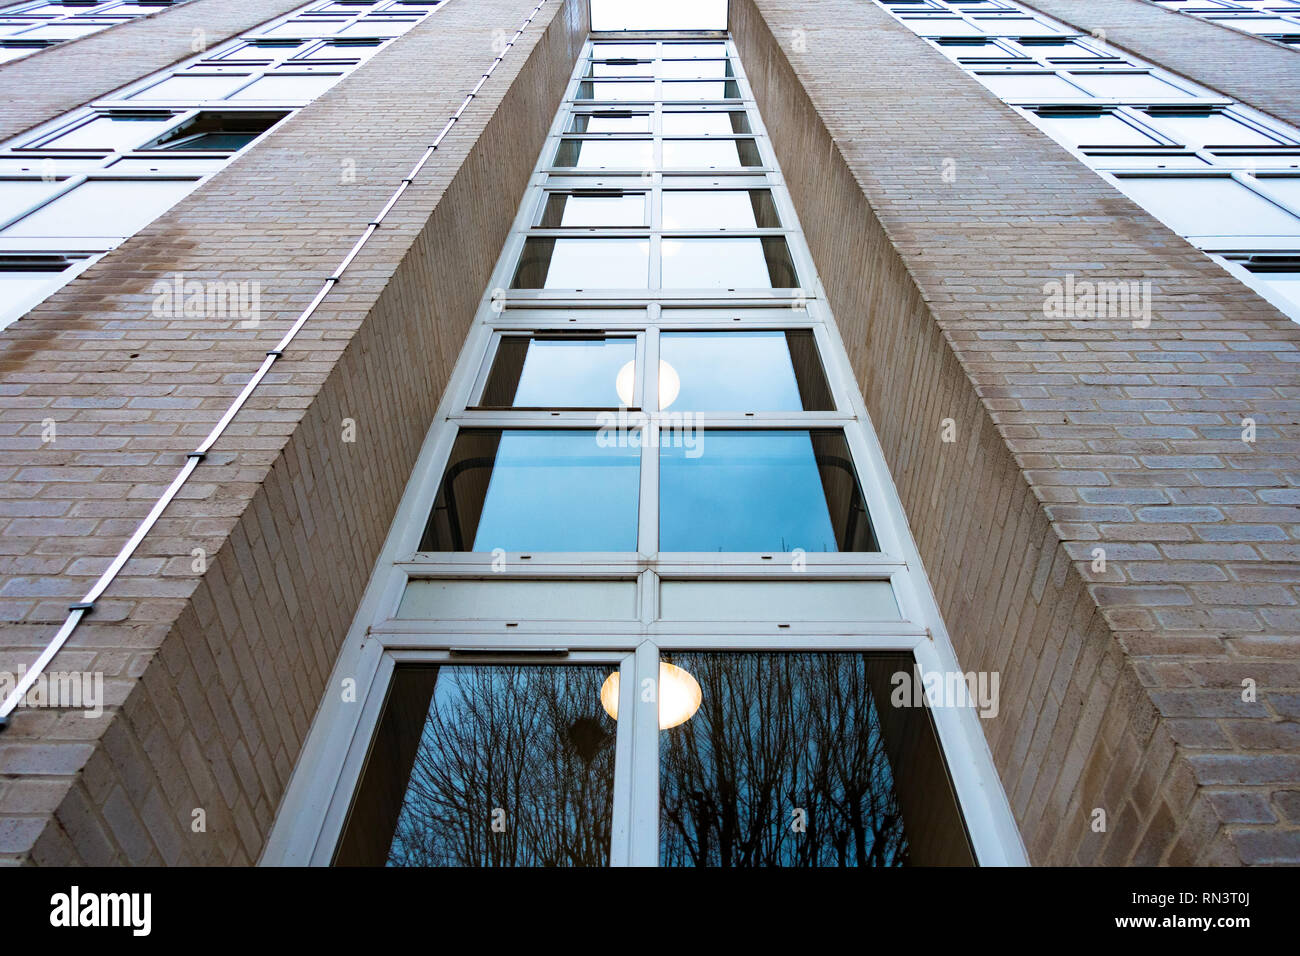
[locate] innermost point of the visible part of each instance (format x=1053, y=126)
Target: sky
x=659, y=15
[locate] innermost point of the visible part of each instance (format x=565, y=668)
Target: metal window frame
x=310, y=818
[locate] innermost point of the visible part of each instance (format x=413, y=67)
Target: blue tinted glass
x=742, y=491
x=575, y=374
x=732, y=371
x=560, y=491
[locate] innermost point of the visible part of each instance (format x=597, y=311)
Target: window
x=741, y=263
x=710, y=153
x=536, y=490
x=1210, y=206
x=564, y=371
x=217, y=131
x=719, y=209
x=583, y=264
x=746, y=371
x=592, y=208
x=762, y=491
x=1094, y=128
x=605, y=154
x=102, y=208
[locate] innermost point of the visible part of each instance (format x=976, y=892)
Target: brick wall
x=67, y=75
x=1121, y=690
x=1259, y=72
x=215, y=677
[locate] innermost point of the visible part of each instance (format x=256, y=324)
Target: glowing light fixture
x=679, y=695
x=669, y=384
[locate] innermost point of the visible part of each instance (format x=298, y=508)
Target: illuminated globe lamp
x=669, y=384
x=679, y=696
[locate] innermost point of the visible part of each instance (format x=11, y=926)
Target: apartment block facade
x=380, y=374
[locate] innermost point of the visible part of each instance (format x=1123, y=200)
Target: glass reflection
x=536, y=372
x=747, y=371
x=719, y=209
x=740, y=263
x=803, y=760
x=732, y=490
x=536, y=490
x=583, y=264
x=487, y=766
x=710, y=154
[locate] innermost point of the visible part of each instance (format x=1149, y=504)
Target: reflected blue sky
x=560, y=491
x=748, y=491
x=559, y=374
x=732, y=371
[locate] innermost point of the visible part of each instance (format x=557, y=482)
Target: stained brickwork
x=62, y=77
x=937, y=216
x=1256, y=71
x=214, y=677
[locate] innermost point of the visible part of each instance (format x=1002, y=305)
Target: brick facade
x=214, y=678
x=1121, y=690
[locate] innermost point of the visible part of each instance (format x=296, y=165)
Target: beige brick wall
x=1259, y=72
x=216, y=677
x=59, y=78
x=1120, y=691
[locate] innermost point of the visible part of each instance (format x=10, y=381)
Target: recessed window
x=1198, y=129
x=741, y=263
x=537, y=490
x=1025, y=86
x=705, y=123
x=118, y=131
x=696, y=70
x=549, y=263
x=593, y=209
x=1117, y=85
x=776, y=733
x=212, y=130
x=459, y=744
x=719, y=209
x=679, y=51
x=1097, y=128
x=536, y=371
x=677, y=90
x=758, y=371
x=605, y=154
x=287, y=87
x=18, y=194
x=747, y=491
x=105, y=209
x=615, y=91
x=600, y=69
x=610, y=121
x=1210, y=206
x=711, y=154
x=189, y=87
x=631, y=51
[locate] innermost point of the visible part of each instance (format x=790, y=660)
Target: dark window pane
x=740, y=263
x=214, y=130
x=746, y=371
x=726, y=490
x=594, y=209
x=816, y=733
x=461, y=748
x=536, y=490
x=583, y=264
x=720, y=209
x=535, y=372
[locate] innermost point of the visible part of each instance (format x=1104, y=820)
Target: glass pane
x=190, y=87
x=1214, y=129
x=531, y=372
x=696, y=70
x=119, y=132
x=583, y=264
x=710, y=153
x=804, y=760
x=620, y=68
x=719, y=209
x=769, y=491
x=103, y=209
x=746, y=371
x=681, y=51
x=1125, y=85
x=213, y=130
x=1207, y=206
x=705, y=123
x=610, y=121
x=17, y=194
x=536, y=490
x=1045, y=86
x=289, y=88
x=701, y=90
x=620, y=51
x=593, y=209
x=1286, y=285
x=605, y=154
x=615, y=92
x=503, y=765
x=753, y=263
x=1095, y=129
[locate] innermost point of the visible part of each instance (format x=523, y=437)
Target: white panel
x=785, y=602
x=519, y=600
